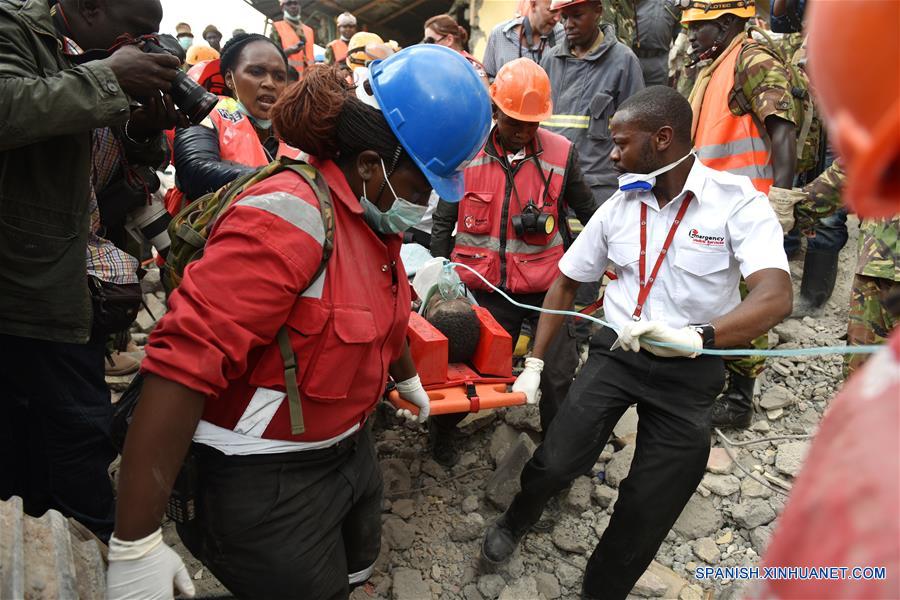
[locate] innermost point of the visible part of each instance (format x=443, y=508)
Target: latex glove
x=634, y=336
x=412, y=391
x=145, y=569
x=529, y=380
x=783, y=202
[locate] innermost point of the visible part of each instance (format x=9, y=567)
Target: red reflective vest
x=238, y=143
x=288, y=34
x=486, y=239
x=218, y=337
x=727, y=142
x=339, y=50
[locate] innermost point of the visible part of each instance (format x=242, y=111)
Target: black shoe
x=734, y=408
x=443, y=447
x=819, y=274
x=500, y=541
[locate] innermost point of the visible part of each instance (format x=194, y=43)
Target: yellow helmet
x=709, y=10
x=364, y=47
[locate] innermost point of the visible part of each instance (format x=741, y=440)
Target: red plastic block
x=430, y=350
x=494, y=353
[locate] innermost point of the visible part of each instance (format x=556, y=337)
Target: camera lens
x=192, y=99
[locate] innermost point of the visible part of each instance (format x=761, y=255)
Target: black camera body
x=532, y=220
x=189, y=96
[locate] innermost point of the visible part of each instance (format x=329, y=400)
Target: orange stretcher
x=458, y=387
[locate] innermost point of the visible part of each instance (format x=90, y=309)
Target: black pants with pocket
x=559, y=363
x=674, y=398
x=55, y=448
x=294, y=525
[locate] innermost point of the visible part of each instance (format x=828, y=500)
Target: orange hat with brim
x=561, y=4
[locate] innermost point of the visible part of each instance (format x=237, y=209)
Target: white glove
x=145, y=569
x=412, y=391
x=783, y=202
x=636, y=334
x=529, y=380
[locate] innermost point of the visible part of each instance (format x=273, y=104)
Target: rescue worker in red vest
x=279, y=514
x=237, y=137
x=336, y=51
x=294, y=37
x=745, y=123
x=508, y=223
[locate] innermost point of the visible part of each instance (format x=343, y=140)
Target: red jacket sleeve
x=260, y=257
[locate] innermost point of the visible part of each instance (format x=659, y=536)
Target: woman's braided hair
x=321, y=115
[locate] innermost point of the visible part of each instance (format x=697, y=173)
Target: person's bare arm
x=769, y=302
x=403, y=368
x=560, y=296
x=158, y=439
x=783, y=134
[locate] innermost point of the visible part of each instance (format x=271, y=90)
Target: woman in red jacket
x=281, y=514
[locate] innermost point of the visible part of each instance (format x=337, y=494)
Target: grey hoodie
x=586, y=93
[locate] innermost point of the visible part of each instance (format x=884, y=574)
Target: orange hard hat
x=858, y=87
x=197, y=54
x=561, y=4
x=521, y=90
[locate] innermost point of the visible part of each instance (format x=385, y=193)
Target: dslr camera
x=189, y=96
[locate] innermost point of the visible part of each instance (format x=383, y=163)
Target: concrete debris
x=524, y=417
x=578, y=499
x=752, y=513
x=547, y=585
x=721, y=485
x=699, y=518
x=649, y=586
x=617, y=468
x=719, y=461
x=408, y=585
x=789, y=459
x=604, y=495
x=504, y=483
x=568, y=538
x=468, y=528
x=706, y=550
x=776, y=396
x=525, y=587
x=48, y=557
x=491, y=585
x=398, y=534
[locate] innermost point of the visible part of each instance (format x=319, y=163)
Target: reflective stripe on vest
x=568, y=122
x=287, y=33
x=727, y=142
x=486, y=239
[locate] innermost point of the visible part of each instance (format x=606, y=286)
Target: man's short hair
x=658, y=106
x=457, y=320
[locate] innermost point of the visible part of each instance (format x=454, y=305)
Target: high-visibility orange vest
x=238, y=143
x=339, y=50
x=288, y=34
x=727, y=142
x=486, y=239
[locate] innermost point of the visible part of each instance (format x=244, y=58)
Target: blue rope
x=817, y=351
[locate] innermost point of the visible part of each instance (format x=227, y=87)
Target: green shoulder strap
x=315, y=180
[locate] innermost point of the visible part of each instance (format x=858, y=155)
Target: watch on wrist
x=707, y=333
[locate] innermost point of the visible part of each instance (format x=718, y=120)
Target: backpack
x=809, y=127
x=189, y=232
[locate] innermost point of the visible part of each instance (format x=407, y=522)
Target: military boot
x=734, y=408
x=819, y=274
x=500, y=541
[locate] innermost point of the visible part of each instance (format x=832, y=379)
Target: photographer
x=58, y=83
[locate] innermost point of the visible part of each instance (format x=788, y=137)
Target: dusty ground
x=434, y=517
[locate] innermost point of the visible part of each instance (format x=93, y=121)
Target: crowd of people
x=655, y=163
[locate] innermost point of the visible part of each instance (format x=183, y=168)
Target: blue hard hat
x=439, y=109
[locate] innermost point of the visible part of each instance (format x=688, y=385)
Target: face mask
x=646, y=181
x=398, y=218
x=291, y=18
x=261, y=124
x=185, y=42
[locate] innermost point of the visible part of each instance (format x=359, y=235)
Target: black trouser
x=560, y=361
x=296, y=525
x=674, y=397
x=55, y=449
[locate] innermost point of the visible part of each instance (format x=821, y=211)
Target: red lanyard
x=646, y=284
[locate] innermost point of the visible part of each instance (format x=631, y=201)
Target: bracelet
x=131, y=139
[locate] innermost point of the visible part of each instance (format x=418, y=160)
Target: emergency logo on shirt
x=234, y=117
x=471, y=222
x=712, y=241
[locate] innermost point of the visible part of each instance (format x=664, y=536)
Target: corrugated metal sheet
x=48, y=557
x=398, y=19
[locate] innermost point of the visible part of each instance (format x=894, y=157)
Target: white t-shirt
x=729, y=230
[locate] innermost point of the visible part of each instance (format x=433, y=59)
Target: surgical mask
x=398, y=218
x=646, y=181
x=291, y=18
x=186, y=41
x=261, y=124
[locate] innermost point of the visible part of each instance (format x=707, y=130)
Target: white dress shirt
x=729, y=230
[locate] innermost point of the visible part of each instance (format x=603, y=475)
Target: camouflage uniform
x=877, y=278
x=765, y=89
x=682, y=73
x=823, y=198
x=621, y=14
